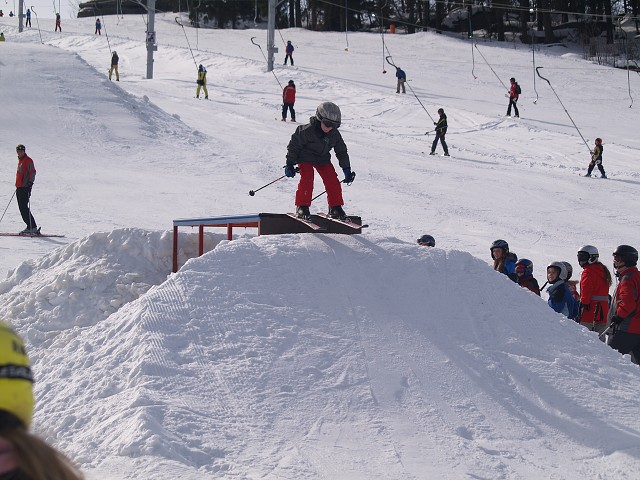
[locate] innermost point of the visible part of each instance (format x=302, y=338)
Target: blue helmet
x=525, y=265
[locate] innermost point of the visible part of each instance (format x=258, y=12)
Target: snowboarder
x=402, y=77
x=625, y=307
x=524, y=272
x=58, y=27
x=441, y=130
x=98, y=27
x=560, y=298
x=288, y=100
x=289, y=52
x=595, y=282
x=514, y=94
x=114, y=65
x=596, y=159
x=427, y=241
x=25, y=178
x=28, y=22
x=202, y=82
x=310, y=148
x=503, y=260
x=24, y=455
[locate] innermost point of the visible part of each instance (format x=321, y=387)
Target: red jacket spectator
x=594, y=293
x=26, y=173
x=627, y=301
x=289, y=93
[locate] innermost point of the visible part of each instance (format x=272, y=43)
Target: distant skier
x=28, y=22
x=58, y=27
x=25, y=178
x=504, y=261
x=98, y=27
x=524, y=272
x=202, y=82
x=114, y=65
x=288, y=100
x=441, y=131
x=596, y=159
x=289, y=52
x=402, y=77
x=427, y=241
x=514, y=94
x=310, y=148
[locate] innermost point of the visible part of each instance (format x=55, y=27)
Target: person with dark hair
x=514, y=95
x=23, y=456
x=595, y=282
x=524, y=272
x=402, y=78
x=427, y=241
x=624, y=316
x=25, y=178
x=289, y=52
x=202, y=82
x=441, y=131
x=596, y=159
x=288, y=100
x=504, y=261
x=98, y=27
x=310, y=148
x=58, y=27
x=28, y=16
x=560, y=298
x=114, y=65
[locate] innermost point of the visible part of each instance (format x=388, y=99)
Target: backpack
x=518, y=89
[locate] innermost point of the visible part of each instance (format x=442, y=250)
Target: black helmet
x=329, y=113
x=291, y=81
x=427, y=240
x=512, y=80
x=499, y=244
x=20, y=147
x=627, y=254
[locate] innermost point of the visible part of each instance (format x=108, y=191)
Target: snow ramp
x=336, y=357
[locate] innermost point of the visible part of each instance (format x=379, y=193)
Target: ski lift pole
x=565, y=109
x=390, y=62
x=37, y=23
x=106, y=34
x=179, y=22
x=489, y=65
x=265, y=58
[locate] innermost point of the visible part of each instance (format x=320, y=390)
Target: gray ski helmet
x=569, y=270
x=329, y=113
x=587, y=254
x=427, y=240
x=562, y=269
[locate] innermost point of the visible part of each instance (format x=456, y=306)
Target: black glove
x=348, y=175
x=435, y=123
x=289, y=171
x=616, y=320
x=584, y=307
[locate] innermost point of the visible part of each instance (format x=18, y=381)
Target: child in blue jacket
x=560, y=297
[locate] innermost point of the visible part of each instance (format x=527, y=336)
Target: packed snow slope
x=313, y=356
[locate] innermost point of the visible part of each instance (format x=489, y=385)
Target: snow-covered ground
x=314, y=356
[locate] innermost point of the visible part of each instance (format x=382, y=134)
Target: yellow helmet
x=16, y=381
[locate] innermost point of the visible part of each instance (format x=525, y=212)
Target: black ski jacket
x=309, y=144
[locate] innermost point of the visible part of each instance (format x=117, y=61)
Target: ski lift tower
x=20, y=15
x=151, y=37
x=271, y=33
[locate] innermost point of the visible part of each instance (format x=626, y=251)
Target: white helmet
x=562, y=268
x=587, y=254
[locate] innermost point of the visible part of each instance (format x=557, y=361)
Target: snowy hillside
x=314, y=356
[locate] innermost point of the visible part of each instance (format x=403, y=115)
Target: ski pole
x=253, y=192
x=265, y=59
x=565, y=109
x=606, y=331
x=353, y=177
x=5, y=210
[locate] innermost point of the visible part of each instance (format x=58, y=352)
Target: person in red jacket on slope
x=25, y=177
x=288, y=99
x=595, y=282
x=625, y=308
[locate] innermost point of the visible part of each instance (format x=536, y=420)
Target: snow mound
x=318, y=356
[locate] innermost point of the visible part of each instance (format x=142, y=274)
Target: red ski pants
x=329, y=178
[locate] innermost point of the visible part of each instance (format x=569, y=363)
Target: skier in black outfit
x=441, y=130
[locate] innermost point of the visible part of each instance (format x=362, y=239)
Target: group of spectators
x=585, y=300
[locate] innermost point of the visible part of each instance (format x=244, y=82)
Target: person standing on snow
x=524, y=272
x=23, y=456
x=595, y=282
x=98, y=27
x=560, y=298
x=288, y=100
x=25, y=178
x=114, y=65
x=596, y=159
x=289, y=52
x=58, y=27
x=202, y=82
x=28, y=22
x=441, y=131
x=402, y=77
x=310, y=148
x=503, y=260
x=514, y=94
x=625, y=307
